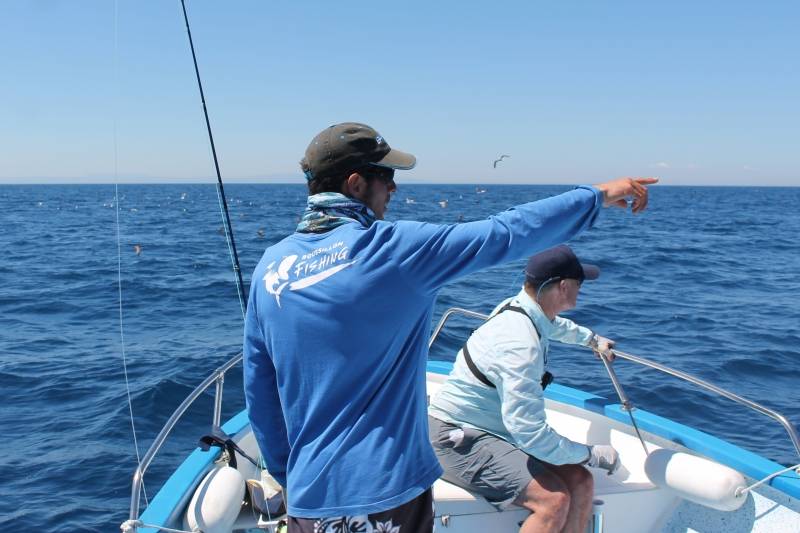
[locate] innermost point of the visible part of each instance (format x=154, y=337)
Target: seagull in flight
x=494, y=165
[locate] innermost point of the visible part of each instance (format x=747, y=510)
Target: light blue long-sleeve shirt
x=510, y=353
x=335, y=347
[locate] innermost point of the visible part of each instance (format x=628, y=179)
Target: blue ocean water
x=706, y=281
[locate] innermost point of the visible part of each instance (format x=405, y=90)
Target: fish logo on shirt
x=276, y=281
x=311, y=269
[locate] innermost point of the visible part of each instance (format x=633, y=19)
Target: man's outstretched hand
x=617, y=192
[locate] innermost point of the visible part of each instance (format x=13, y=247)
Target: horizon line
x=254, y=181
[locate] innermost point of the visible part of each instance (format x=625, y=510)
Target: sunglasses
x=386, y=175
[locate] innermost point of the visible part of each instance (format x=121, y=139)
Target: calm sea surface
x=706, y=281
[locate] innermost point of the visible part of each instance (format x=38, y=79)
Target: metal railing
x=446, y=316
x=656, y=366
x=713, y=388
x=217, y=378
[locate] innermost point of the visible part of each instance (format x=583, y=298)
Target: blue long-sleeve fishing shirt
x=335, y=347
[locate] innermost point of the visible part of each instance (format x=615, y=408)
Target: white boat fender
x=216, y=502
x=696, y=479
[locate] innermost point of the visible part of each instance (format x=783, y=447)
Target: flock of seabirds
x=261, y=232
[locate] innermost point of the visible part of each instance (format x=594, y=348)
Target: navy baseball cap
x=349, y=146
x=558, y=263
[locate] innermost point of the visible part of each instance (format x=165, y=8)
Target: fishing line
x=226, y=219
x=119, y=243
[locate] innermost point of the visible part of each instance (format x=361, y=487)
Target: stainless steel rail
x=446, y=316
x=217, y=377
x=656, y=366
x=722, y=392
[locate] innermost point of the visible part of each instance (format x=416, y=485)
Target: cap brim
x=590, y=272
x=397, y=160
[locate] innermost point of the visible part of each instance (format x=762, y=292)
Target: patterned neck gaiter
x=328, y=210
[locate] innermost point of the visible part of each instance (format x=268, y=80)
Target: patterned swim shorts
x=415, y=516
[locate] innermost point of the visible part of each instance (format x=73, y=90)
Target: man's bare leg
x=547, y=497
x=580, y=484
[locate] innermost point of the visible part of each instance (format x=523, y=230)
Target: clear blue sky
x=695, y=92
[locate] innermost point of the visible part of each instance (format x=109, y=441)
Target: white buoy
x=696, y=479
x=216, y=502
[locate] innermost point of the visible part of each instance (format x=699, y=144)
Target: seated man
x=487, y=422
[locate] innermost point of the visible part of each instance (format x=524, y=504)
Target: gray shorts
x=482, y=463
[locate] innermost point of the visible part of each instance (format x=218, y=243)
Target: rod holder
x=596, y=522
x=220, y=381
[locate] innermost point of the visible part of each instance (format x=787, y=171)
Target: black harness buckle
x=547, y=379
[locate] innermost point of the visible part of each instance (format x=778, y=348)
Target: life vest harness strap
x=547, y=377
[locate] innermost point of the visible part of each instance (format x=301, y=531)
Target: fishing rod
x=220, y=188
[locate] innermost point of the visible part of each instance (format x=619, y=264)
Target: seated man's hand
x=603, y=456
x=604, y=346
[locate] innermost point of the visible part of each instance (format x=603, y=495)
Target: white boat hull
x=631, y=501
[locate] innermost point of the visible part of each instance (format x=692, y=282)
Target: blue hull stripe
x=175, y=493
x=746, y=462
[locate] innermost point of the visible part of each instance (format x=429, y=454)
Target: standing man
x=487, y=422
x=337, y=322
